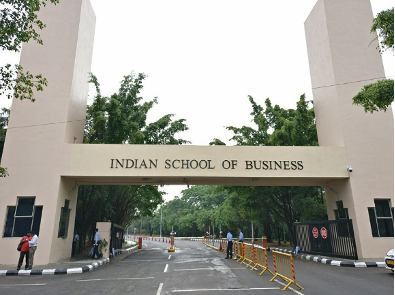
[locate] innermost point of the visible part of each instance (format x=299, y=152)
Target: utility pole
x=141, y=224
x=160, y=232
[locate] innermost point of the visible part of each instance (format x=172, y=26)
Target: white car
x=389, y=260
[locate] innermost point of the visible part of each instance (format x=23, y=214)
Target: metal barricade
x=284, y=268
x=248, y=254
x=224, y=245
x=261, y=260
x=239, y=251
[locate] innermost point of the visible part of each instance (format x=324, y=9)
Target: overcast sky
x=203, y=58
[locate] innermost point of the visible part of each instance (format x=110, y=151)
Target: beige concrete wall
x=341, y=53
x=315, y=165
x=34, y=150
x=104, y=229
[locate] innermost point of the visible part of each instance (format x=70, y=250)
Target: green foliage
x=216, y=141
x=379, y=95
x=376, y=96
x=384, y=24
x=191, y=215
x=274, y=209
x=3, y=172
x=289, y=127
x=23, y=84
x=18, y=24
x=121, y=119
x=102, y=244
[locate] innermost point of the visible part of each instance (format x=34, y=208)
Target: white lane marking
x=115, y=279
x=205, y=290
x=289, y=288
x=209, y=268
x=159, y=289
x=169, y=257
x=11, y=285
x=141, y=260
x=166, y=268
x=265, y=288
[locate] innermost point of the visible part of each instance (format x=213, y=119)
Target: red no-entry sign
x=315, y=232
x=324, y=232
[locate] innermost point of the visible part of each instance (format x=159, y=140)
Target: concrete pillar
x=34, y=151
x=342, y=59
x=105, y=234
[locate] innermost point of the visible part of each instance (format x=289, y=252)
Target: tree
x=376, y=97
x=383, y=23
x=4, y=116
x=289, y=127
x=379, y=95
x=18, y=24
x=121, y=119
x=276, y=208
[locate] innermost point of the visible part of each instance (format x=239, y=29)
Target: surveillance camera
x=349, y=169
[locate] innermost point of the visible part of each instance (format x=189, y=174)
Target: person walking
x=96, y=244
x=24, y=251
x=241, y=236
x=230, y=245
x=32, y=248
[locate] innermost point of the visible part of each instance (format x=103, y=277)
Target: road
x=195, y=269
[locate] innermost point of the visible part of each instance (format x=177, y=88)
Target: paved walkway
x=79, y=264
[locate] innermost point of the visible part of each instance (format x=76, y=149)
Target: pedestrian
x=24, y=251
x=230, y=245
x=32, y=248
x=75, y=240
x=241, y=236
x=96, y=244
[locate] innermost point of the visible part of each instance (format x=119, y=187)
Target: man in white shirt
x=230, y=245
x=32, y=248
x=96, y=244
x=241, y=236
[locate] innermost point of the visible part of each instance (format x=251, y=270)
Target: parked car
x=389, y=260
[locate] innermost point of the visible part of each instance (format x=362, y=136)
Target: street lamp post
x=160, y=231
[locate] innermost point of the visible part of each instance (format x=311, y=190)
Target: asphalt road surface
x=195, y=269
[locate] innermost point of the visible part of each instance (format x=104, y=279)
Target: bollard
x=264, y=242
x=140, y=243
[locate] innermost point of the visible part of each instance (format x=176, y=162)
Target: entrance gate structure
x=47, y=161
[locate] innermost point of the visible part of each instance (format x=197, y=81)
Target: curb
x=333, y=262
x=67, y=271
